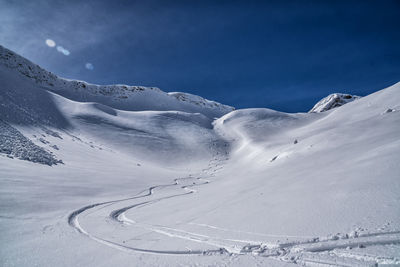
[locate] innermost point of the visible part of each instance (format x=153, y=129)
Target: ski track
x=119, y=216
x=306, y=250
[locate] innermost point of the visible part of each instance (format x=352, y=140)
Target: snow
x=172, y=186
x=333, y=101
x=125, y=97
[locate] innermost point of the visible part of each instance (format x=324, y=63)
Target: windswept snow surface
x=174, y=187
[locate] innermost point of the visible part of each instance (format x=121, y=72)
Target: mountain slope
x=132, y=98
x=150, y=135
x=148, y=124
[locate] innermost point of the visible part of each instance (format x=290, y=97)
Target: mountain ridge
x=124, y=97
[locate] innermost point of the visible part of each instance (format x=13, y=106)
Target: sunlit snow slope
x=89, y=177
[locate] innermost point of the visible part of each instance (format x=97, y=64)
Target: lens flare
x=89, y=66
x=63, y=50
x=50, y=43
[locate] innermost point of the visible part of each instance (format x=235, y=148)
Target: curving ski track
x=119, y=216
x=305, y=251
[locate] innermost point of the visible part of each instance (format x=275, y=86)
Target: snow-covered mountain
x=106, y=182
x=333, y=101
x=124, y=97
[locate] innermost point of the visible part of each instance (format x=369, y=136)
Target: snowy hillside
x=123, y=97
x=333, y=101
x=88, y=178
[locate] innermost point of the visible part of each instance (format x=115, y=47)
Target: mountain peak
x=333, y=101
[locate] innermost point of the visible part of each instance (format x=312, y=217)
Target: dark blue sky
x=284, y=55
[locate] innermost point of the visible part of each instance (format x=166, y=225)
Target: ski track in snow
x=119, y=216
x=306, y=251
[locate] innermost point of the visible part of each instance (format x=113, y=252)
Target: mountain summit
x=333, y=101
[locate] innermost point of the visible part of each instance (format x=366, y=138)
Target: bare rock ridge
x=333, y=101
x=14, y=144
